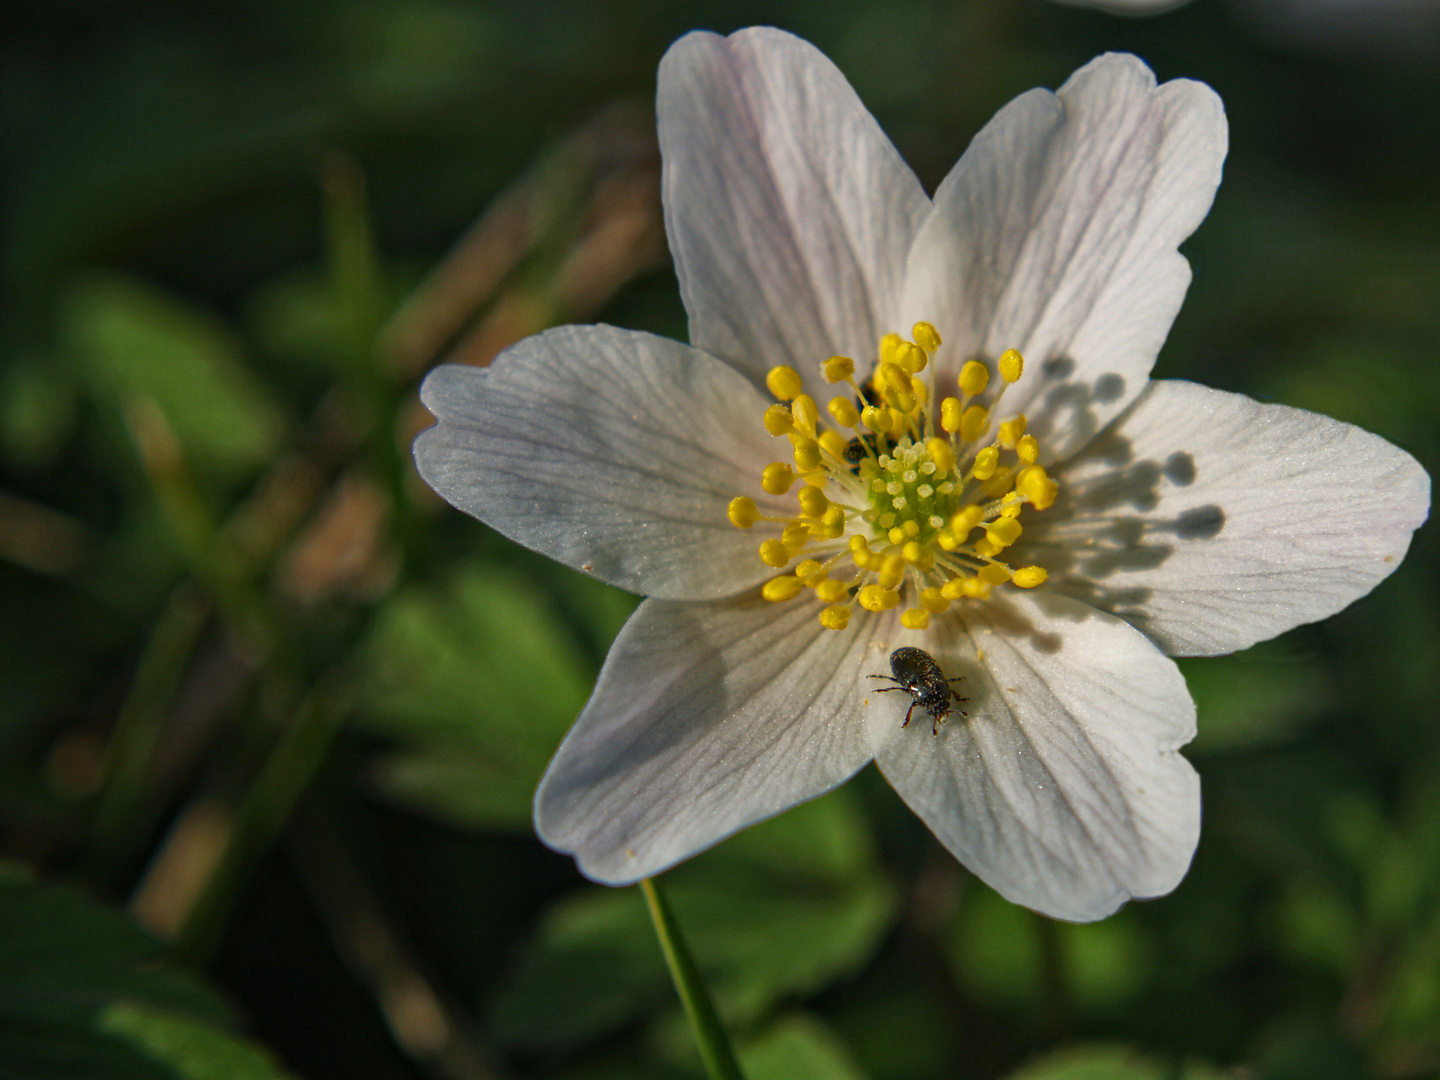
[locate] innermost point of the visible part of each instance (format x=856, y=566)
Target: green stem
x=140, y=721
x=710, y=1037
x=262, y=816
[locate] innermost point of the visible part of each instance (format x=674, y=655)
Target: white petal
x=1056, y=234
x=612, y=451
x=1064, y=789
x=706, y=718
x=1212, y=521
x=789, y=212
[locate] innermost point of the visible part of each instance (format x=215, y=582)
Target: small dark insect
x=855, y=451
x=918, y=675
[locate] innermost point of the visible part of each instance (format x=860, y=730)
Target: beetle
x=916, y=672
x=857, y=450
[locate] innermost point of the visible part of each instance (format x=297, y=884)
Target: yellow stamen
x=973, y=422
x=830, y=590
x=1011, y=365
x=876, y=419
x=810, y=571
x=950, y=415
x=941, y=455
x=1028, y=449
x=976, y=588
x=774, y=553
x=839, y=369
x=1003, y=531
x=844, y=412
x=877, y=598
x=974, y=377
x=911, y=357
x=743, y=512
x=780, y=589
x=1027, y=577
x=1011, y=430
x=796, y=535
x=777, y=420
x=833, y=443
x=915, y=619
x=832, y=523
x=813, y=502
x=926, y=336
x=784, y=382
x=986, y=462
x=807, y=455
x=888, y=344
x=835, y=617
x=805, y=414
x=933, y=600
x=777, y=478
x=994, y=573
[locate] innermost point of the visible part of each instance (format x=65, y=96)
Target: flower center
x=898, y=501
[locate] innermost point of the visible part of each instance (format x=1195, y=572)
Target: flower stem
x=705, y=1023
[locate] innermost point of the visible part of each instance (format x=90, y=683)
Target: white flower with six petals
x=1161, y=516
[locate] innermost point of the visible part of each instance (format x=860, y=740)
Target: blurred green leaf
x=478, y=682
x=37, y=410
x=194, y=1050
x=798, y=1047
x=780, y=910
x=137, y=342
x=1110, y=1063
x=1258, y=697
x=86, y=995
x=994, y=948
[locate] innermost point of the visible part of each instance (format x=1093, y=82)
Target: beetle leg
x=908, y=711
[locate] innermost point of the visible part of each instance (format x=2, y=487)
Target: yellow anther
x=910, y=357
x=1036, y=486
x=742, y=512
x=858, y=544
x=888, y=345
x=940, y=453
x=831, y=590
x=912, y=552
x=839, y=368
x=813, y=502
x=777, y=478
x=1003, y=531
x=777, y=420
x=1011, y=365
x=933, y=601
x=876, y=419
x=903, y=401
x=986, y=462
x=910, y=529
x=893, y=377
x=835, y=617
x=807, y=455
x=998, y=484
x=878, y=598
x=947, y=539
x=995, y=573
x=1029, y=449
x=892, y=570
x=976, y=588
x=844, y=411
x=1012, y=509
x=805, y=413
x=782, y=588
x=796, y=535
x=833, y=443
x=973, y=422
x=922, y=392
x=774, y=553
x=897, y=419
x=784, y=382
x=915, y=618
x=950, y=414
x=896, y=535
x=810, y=571
x=926, y=336
x=986, y=548
x=1011, y=430
x=953, y=589
x=974, y=377
x=832, y=523
x=1027, y=577
x=965, y=520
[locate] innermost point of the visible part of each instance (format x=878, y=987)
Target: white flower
x=1170, y=518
